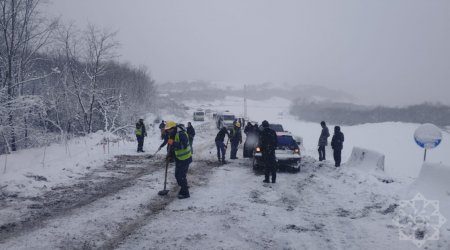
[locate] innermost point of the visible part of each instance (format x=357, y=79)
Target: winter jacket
x=162, y=125
x=323, y=139
x=178, y=145
x=191, y=131
x=268, y=140
x=220, y=137
x=235, y=135
x=337, y=142
x=248, y=129
x=142, y=125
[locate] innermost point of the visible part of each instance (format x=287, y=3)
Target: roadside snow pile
x=434, y=184
x=423, y=216
x=35, y=170
x=366, y=159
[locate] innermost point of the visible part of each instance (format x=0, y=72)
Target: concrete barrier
x=366, y=159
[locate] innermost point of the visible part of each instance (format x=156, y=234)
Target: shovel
x=153, y=155
x=165, y=191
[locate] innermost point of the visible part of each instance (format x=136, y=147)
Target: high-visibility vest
x=138, y=131
x=183, y=153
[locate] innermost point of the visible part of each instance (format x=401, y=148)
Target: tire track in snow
x=63, y=199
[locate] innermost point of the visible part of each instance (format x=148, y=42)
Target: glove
x=170, y=141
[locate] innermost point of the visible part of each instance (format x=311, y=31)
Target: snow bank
x=366, y=159
x=433, y=180
x=433, y=183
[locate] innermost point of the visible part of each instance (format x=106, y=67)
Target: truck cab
x=225, y=119
x=199, y=116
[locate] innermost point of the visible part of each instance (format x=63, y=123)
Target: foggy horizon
x=381, y=52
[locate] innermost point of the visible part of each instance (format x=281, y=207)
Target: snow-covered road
x=116, y=206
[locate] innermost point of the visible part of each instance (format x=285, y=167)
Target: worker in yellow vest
x=140, y=133
x=180, y=150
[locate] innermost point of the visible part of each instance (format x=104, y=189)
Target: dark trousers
x=220, y=149
x=337, y=157
x=321, y=153
x=191, y=140
x=140, y=140
x=181, y=169
x=270, y=166
x=234, y=149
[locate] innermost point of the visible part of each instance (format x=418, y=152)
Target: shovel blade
x=163, y=192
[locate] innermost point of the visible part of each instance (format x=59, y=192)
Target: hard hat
x=170, y=124
x=238, y=124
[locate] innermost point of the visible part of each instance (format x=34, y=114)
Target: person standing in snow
x=180, y=150
x=268, y=143
x=191, y=132
x=337, y=144
x=220, y=137
x=323, y=141
x=235, y=139
x=140, y=134
x=162, y=125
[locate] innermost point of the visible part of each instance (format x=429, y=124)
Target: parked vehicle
x=199, y=116
x=225, y=119
x=277, y=127
x=287, y=153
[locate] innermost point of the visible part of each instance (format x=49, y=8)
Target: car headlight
x=296, y=151
x=258, y=149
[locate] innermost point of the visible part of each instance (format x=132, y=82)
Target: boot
x=183, y=194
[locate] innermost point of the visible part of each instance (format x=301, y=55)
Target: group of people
x=337, y=143
x=234, y=138
x=267, y=141
x=179, y=141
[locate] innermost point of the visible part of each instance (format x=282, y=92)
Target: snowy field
x=354, y=207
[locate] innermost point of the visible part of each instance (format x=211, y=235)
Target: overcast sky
x=382, y=51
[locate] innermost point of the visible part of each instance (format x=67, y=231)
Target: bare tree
x=23, y=34
x=101, y=45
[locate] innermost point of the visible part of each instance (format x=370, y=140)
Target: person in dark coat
x=248, y=128
x=140, y=134
x=323, y=141
x=220, y=137
x=162, y=125
x=179, y=150
x=191, y=132
x=251, y=140
x=268, y=143
x=337, y=144
x=235, y=139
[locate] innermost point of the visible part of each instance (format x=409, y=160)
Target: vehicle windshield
x=199, y=113
x=228, y=117
x=286, y=140
x=276, y=127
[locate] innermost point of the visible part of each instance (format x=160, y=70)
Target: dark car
x=276, y=127
x=287, y=153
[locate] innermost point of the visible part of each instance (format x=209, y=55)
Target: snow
x=230, y=208
x=367, y=159
x=428, y=136
x=433, y=183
